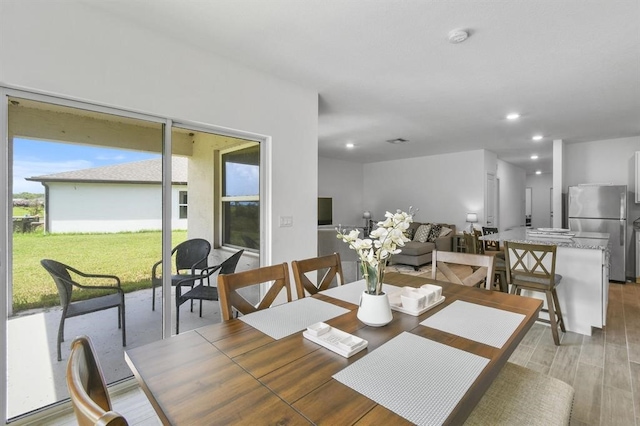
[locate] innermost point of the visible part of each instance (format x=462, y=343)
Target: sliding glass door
x=84, y=190
x=209, y=177
x=111, y=192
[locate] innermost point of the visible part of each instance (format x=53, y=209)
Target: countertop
x=583, y=240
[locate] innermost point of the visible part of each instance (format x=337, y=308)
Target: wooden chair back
x=472, y=244
x=531, y=265
x=87, y=388
x=482, y=268
x=228, y=286
x=331, y=263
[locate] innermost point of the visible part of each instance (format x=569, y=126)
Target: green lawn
x=126, y=255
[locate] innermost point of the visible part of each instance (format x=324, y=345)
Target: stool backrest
x=526, y=261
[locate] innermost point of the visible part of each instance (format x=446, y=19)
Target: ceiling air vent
x=397, y=141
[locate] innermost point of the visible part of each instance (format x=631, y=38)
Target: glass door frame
x=6, y=245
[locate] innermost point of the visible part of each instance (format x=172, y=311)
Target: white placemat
x=482, y=324
x=416, y=378
x=289, y=318
x=351, y=292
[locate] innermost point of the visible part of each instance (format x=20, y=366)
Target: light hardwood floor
x=604, y=369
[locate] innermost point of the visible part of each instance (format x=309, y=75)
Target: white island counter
x=583, y=262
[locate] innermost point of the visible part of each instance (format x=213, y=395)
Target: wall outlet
x=286, y=221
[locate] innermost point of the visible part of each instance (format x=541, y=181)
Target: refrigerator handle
x=623, y=232
x=623, y=202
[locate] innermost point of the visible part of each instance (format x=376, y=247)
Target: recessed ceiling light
x=538, y=172
x=513, y=116
x=534, y=157
x=397, y=140
x=537, y=138
x=349, y=145
x=458, y=36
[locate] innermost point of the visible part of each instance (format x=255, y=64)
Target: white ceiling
x=384, y=69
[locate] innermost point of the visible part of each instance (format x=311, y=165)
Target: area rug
x=425, y=270
x=410, y=270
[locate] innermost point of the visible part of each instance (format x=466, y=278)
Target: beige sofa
x=416, y=253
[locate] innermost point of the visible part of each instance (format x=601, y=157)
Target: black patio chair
x=203, y=292
x=62, y=277
x=190, y=256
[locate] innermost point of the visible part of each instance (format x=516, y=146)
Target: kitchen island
x=583, y=262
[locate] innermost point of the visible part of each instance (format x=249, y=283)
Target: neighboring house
x=117, y=198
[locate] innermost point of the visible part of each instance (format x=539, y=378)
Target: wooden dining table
x=232, y=373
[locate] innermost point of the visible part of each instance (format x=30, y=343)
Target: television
x=325, y=211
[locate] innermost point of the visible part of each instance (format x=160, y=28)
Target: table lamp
x=471, y=219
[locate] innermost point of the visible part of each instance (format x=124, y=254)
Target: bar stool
x=532, y=267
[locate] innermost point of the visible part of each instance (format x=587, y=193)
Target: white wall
x=444, y=187
x=76, y=51
x=343, y=181
x=607, y=161
x=541, y=199
x=512, y=199
x=90, y=207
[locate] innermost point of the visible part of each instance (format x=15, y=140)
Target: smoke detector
x=458, y=36
x=398, y=141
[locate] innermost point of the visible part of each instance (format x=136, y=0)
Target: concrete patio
x=37, y=379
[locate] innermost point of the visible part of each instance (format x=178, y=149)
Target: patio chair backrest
x=61, y=276
x=192, y=253
x=229, y=265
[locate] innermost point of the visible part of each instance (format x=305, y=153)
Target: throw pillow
x=445, y=231
x=422, y=233
x=434, y=232
x=410, y=232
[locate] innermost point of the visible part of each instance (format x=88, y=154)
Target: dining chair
x=276, y=277
x=533, y=267
x=87, y=387
x=190, y=256
x=61, y=275
x=472, y=244
x=451, y=266
x=201, y=291
x=475, y=246
x=331, y=263
x=522, y=396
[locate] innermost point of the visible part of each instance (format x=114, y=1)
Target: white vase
x=374, y=309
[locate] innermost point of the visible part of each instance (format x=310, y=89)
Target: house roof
x=146, y=171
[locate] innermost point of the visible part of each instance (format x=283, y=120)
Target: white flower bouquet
x=376, y=251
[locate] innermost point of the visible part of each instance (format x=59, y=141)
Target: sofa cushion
x=416, y=248
x=434, y=232
x=422, y=233
x=445, y=231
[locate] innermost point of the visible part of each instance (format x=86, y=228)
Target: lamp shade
x=366, y=214
x=472, y=217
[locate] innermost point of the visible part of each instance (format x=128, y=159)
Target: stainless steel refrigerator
x=602, y=208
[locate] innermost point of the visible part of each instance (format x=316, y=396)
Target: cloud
x=119, y=157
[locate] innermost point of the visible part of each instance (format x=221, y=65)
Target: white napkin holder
x=334, y=339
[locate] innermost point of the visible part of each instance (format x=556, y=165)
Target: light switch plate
x=286, y=221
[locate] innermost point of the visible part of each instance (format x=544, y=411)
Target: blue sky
x=37, y=158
